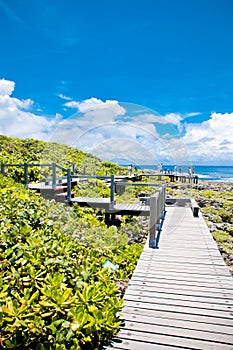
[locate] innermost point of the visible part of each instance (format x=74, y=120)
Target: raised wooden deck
x=131, y=209
x=104, y=203
x=101, y=203
x=180, y=295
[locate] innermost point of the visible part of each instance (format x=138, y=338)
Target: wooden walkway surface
x=104, y=203
x=180, y=295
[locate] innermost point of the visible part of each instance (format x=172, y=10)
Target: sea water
x=204, y=172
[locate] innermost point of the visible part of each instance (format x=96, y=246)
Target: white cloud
x=64, y=97
x=112, y=130
x=6, y=87
x=192, y=114
x=71, y=104
x=211, y=140
x=174, y=119
x=23, y=104
x=97, y=127
x=17, y=120
x=98, y=109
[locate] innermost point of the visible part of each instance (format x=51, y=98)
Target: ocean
x=204, y=172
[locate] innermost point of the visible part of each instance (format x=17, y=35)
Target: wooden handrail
x=157, y=211
x=27, y=165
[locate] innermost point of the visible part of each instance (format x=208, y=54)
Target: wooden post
x=153, y=220
x=54, y=176
x=68, y=184
x=164, y=198
x=25, y=175
x=2, y=169
x=112, y=192
x=107, y=218
x=73, y=169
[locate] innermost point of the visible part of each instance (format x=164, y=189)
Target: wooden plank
x=166, y=339
x=182, y=278
x=208, y=273
x=179, y=308
x=102, y=203
x=176, y=331
x=132, y=309
x=193, y=307
x=204, y=299
x=188, y=265
x=91, y=200
x=124, y=344
x=222, y=330
x=191, y=290
x=183, y=275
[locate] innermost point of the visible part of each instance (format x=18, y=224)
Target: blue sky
x=173, y=57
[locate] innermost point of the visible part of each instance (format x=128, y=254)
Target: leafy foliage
x=17, y=151
x=54, y=291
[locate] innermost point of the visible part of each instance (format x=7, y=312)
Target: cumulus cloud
x=17, y=120
x=211, y=140
x=98, y=126
x=113, y=130
x=71, y=104
x=106, y=127
x=6, y=87
x=97, y=108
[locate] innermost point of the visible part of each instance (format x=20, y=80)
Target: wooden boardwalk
x=104, y=203
x=180, y=295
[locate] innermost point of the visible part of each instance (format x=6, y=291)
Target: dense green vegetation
x=19, y=151
x=54, y=291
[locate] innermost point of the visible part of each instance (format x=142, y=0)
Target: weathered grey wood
x=219, y=291
x=180, y=295
x=174, y=330
x=194, y=207
x=132, y=309
x=163, y=273
x=203, y=273
x=182, y=323
x=167, y=340
x=102, y=203
x=202, y=299
x=131, y=208
x=126, y=344
x=204, y=307
x=179, y=308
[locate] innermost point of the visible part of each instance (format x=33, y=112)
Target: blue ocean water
x=204, y=172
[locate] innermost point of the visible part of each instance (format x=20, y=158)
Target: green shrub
x=54, y=292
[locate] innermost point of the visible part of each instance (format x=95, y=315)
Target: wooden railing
x=54, y=167
x=157, y=202
x=157, y=209
x=110, y=177
x=157, y=214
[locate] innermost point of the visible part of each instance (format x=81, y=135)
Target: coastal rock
x=202, y=202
